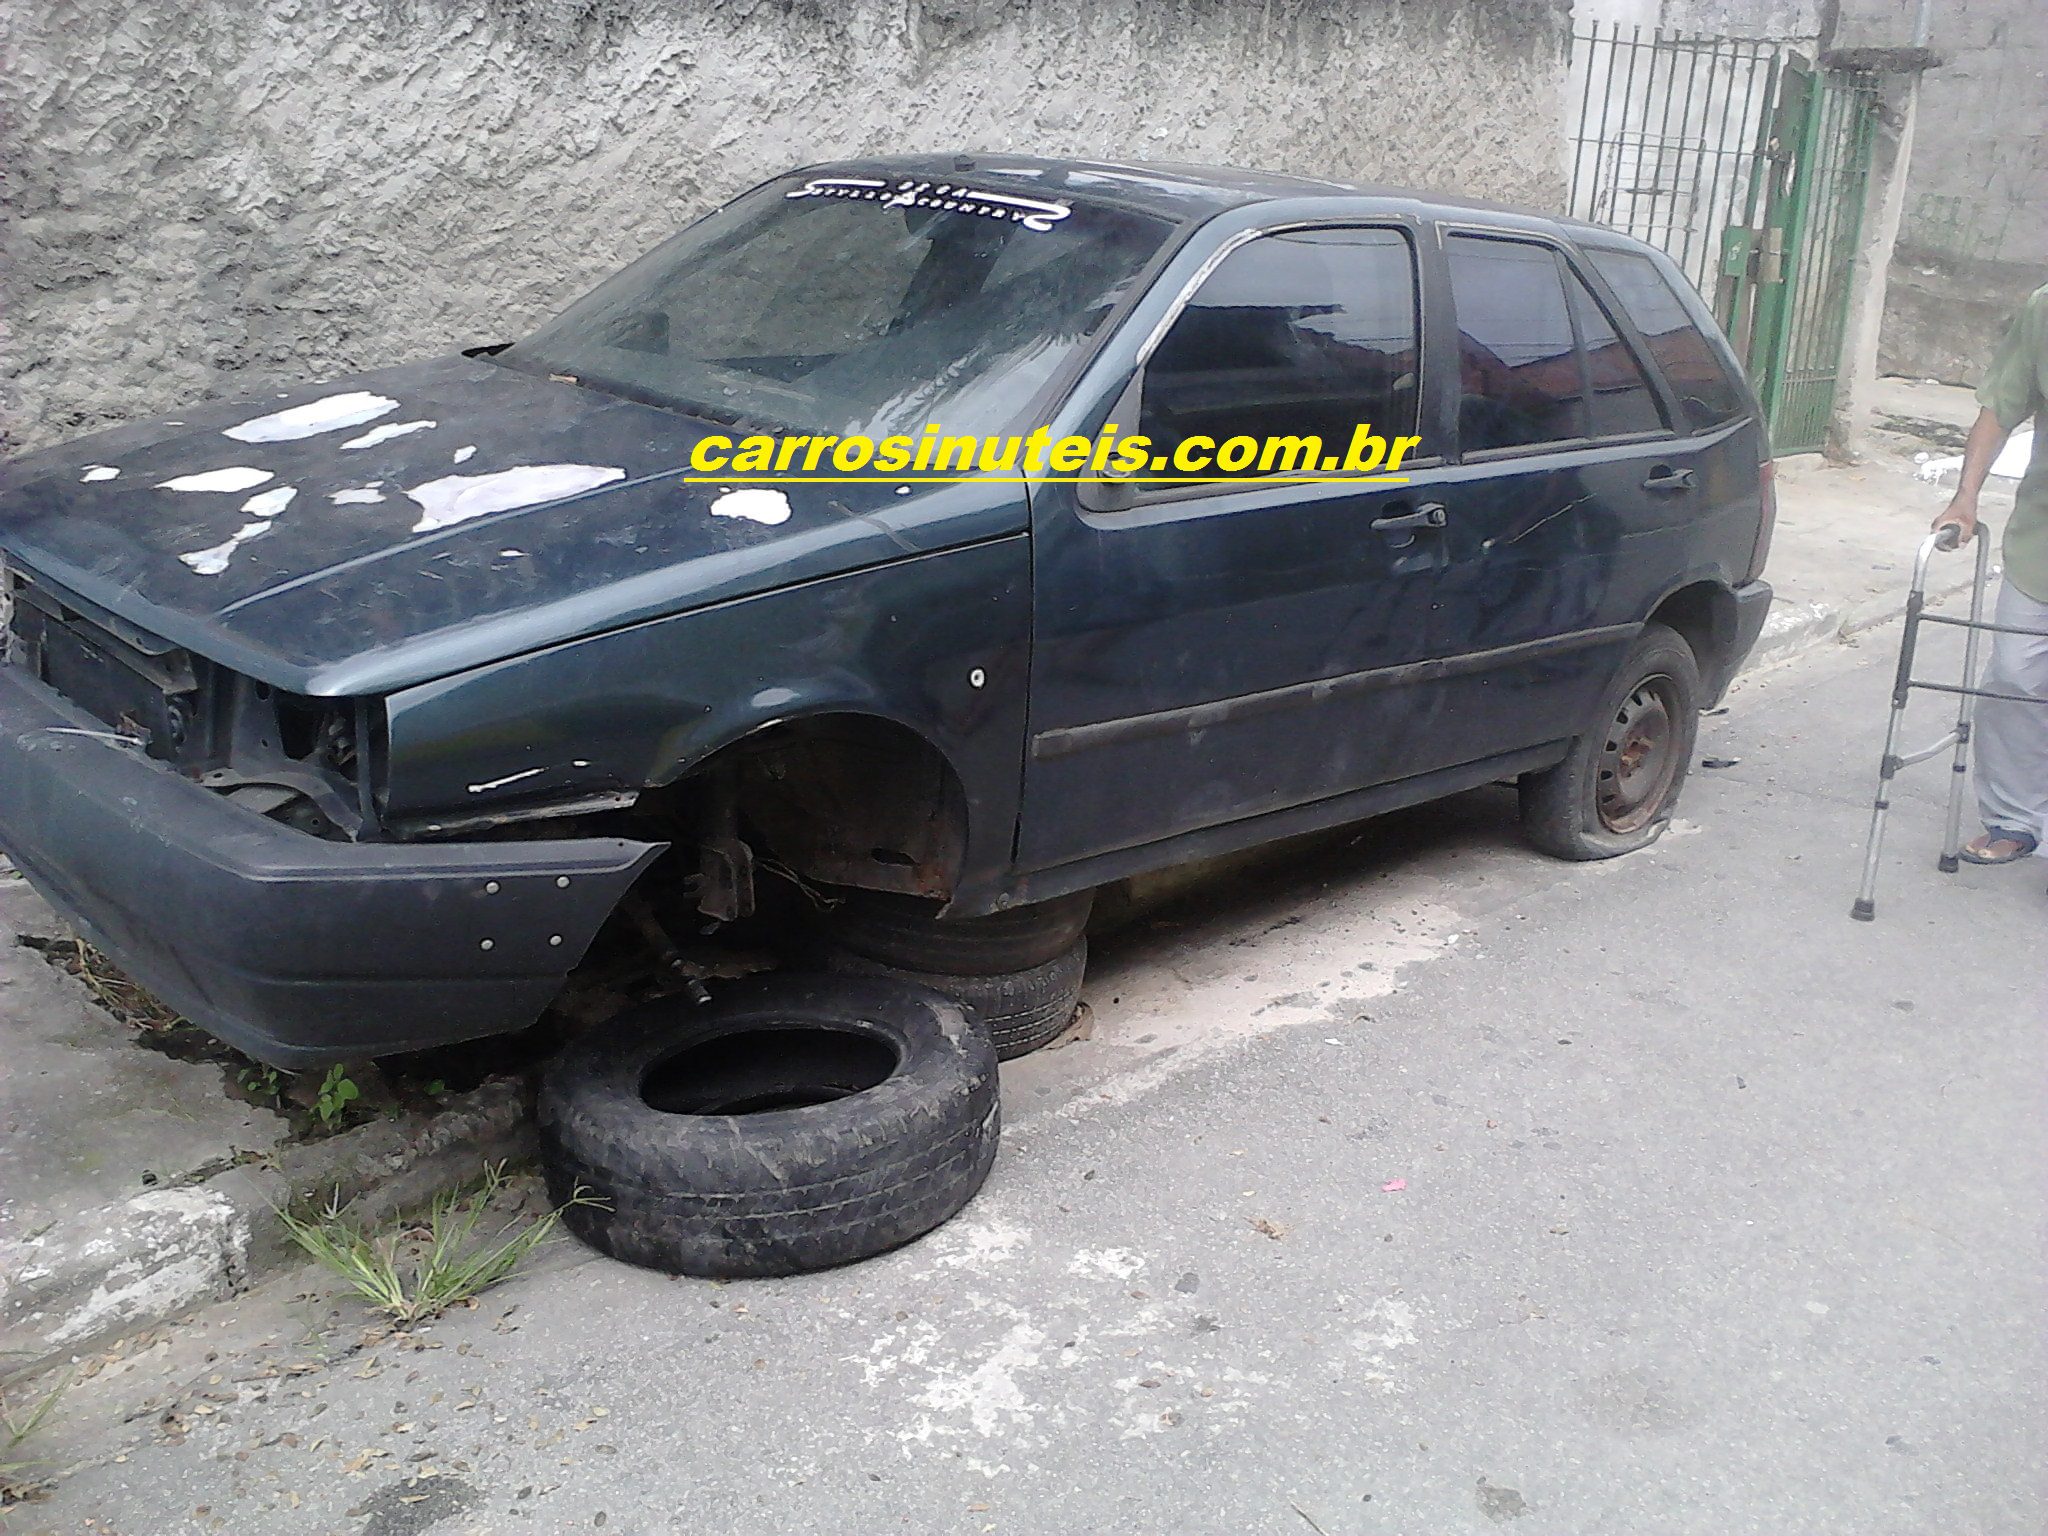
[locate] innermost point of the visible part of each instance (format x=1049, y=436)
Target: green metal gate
x=1749, y=168
x=1814, y=215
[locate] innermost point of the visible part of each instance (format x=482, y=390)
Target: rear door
x=1566, y=506
x=1707, y=404
x=1210, y=652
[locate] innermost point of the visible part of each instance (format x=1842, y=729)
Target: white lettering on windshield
x=1031, y=212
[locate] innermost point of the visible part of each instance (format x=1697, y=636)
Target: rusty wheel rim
x=1639, y=763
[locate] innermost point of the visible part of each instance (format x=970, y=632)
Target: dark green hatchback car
x=345, y=719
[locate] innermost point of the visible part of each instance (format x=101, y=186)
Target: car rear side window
x=1623, y=403
x=1520, y=382
x=1304, y=334
x=1692, y=364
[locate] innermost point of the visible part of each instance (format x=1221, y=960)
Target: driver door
x=1214, y=652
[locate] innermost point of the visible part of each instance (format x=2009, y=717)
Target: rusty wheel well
x=839, y=799
x=1704, y=613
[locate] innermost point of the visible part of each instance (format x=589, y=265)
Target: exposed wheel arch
x=1704, y=615
x=838, y=797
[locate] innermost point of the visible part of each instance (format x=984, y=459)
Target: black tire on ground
x=1020, y=1012
x=793, y=1123
x=1616, y=787
x=907, y=931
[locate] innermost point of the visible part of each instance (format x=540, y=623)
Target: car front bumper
x=296, y=950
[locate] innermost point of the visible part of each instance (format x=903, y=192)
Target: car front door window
x=1305, y=334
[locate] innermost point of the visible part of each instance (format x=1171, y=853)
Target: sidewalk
x=139, y=1186
x=1847, y=535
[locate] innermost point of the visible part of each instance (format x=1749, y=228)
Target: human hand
x=1961, y=515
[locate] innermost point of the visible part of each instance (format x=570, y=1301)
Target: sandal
x=2023, y=844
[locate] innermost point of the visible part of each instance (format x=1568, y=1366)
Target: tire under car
x=794, y=1123
x=907, y=931
x=1020, y=1011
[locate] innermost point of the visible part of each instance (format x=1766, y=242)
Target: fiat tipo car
x=345, y=718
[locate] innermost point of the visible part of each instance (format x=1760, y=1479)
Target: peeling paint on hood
x=456, y=499
x=329, y=414
x=230, y=478
x=387, y=569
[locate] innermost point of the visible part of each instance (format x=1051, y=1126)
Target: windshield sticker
x=236, y=477
x=310, y=420
x=1031, y=212
x=770, y=507
x=456, y=499
x=385, y=433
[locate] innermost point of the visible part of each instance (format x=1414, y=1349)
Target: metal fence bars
x=1749, y=168
x=1669, y=138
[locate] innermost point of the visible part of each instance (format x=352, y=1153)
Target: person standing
x=2011, y=738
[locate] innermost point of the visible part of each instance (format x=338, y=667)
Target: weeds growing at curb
x=337, y=1091
x=262, y=1083
x=18, y=1473
x=110, y=989
x=418, y=1272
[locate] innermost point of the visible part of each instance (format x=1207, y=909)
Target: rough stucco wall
x=203, y=197
x=1973, y=241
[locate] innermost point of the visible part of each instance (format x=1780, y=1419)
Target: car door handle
x=1665, y=478
x=1429, y=515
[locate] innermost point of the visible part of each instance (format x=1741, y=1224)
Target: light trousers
x=2010, y=741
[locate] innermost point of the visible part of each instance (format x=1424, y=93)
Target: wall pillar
x=1884, y=205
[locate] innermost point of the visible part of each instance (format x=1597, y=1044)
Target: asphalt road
x=1416, y=1184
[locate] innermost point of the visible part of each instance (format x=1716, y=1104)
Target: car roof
x=1185, y=192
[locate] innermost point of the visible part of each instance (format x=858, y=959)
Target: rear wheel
x=1616, y=787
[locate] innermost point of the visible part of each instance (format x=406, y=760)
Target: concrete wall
x=206, y=195
x=1790, y=21
x=1973, y=240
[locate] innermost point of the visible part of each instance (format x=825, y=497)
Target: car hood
x=381, y=530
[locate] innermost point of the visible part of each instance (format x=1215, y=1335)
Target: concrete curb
x=105, y=1272
x=1795, y=628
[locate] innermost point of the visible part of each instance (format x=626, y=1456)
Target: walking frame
x=1967, y=695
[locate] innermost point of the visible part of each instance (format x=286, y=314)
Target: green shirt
x=2015, y=389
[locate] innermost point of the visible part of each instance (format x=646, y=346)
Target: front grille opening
x=314, y=730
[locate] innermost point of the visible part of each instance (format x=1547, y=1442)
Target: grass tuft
x=18, y=1474
x=421, y=1271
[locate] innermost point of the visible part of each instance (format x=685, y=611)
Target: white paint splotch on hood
x=263, y=507
x=358, y=495
x=331, y=414
x=389, y=430
x=99, y=472
x=456, y=499
x=271, y=502
x=770, y=507
x=236, y=477
x=212, y=560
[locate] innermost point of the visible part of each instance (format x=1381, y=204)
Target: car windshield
x=848, y=304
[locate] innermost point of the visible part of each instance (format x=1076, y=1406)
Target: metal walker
x=1865, y=908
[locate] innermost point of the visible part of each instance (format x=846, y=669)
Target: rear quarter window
x=1707, y=396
